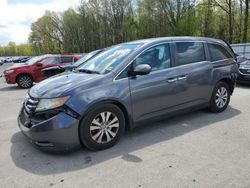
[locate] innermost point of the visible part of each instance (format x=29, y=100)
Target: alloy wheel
x=104, y=127
x=221, y=97
x=25, y=81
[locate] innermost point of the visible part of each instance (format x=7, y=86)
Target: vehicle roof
x=61, y=55
x=69, y=55
x=176, y=38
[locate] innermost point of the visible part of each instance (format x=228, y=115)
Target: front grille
x=245, y=71
x=28, y=111
x=30, y=105
x=30, y=117
x=24, y=119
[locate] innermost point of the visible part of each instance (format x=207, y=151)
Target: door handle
x=172, y=80
x=184, y=77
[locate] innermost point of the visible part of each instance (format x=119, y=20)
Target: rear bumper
x=57, y=133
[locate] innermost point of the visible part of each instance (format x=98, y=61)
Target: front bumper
x=59, y=132
x=9, y=78
x=243, y=77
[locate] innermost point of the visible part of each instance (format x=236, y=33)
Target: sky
x=16, y=16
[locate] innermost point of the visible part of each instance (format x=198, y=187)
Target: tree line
x=12, y=49
x=100, y=23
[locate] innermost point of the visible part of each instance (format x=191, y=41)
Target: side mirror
x=142, y=69
x=39, y=64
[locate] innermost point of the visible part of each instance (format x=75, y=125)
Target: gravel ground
x=199, y=149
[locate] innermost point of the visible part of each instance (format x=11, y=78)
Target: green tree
x=97, y=24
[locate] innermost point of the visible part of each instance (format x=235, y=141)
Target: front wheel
x=102, y=127
x=220, y=97
x=25, y=81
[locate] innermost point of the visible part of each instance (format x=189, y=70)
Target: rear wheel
x=25, y=81
x=220, y=98
x=102, y=127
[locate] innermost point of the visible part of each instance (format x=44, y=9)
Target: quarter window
x=190, y=52
x=218, y=52
x=124, y=73
x=157, y=57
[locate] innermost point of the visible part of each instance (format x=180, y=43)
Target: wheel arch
x=23, y=73
x=229, y=82
x=120, y=105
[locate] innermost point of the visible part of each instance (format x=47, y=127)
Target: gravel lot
x=199, y=149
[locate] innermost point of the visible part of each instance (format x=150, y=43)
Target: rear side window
x=218, y=52
x=66, y=59
x=190, y=52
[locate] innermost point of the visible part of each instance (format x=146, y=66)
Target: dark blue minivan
x=125, y=85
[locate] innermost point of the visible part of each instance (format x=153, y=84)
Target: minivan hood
x=59, y=85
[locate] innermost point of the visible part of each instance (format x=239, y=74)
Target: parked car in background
x=244, y=66
x=21, y=59
x=51, y=71
x=8, y=59
x=1, y=62
x=25, y=59
x=16, y=59
x=244, y=72
x=126, y=85
x=25, y=74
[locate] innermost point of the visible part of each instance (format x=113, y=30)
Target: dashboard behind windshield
x=109, y=59
x=85, y=58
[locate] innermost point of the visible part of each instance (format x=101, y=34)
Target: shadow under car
x=32, y=160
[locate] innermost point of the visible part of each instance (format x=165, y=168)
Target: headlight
x=8, y=71
x=47, y=104
x=27, y=96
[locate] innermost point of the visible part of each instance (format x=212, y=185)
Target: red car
x=25, y=74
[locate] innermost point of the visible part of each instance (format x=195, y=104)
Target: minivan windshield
x=86, y=57
x=108, y=60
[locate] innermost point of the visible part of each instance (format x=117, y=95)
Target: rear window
x=190, y=52
x=218, y=52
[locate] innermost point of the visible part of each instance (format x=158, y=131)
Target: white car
x=1, y=62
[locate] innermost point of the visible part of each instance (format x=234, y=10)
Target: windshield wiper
x=88, y=71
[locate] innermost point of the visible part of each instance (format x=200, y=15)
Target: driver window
x=157, y=57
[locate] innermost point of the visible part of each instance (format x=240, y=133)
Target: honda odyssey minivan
x=126, y=85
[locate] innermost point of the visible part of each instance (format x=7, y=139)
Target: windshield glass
x=86, y=57
x=35, y=59
x=109, y=59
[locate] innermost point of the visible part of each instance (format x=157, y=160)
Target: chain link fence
x=242, y=49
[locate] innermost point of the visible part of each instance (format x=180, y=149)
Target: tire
x=96, y=132
x=24, y=81
x=220, y=97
